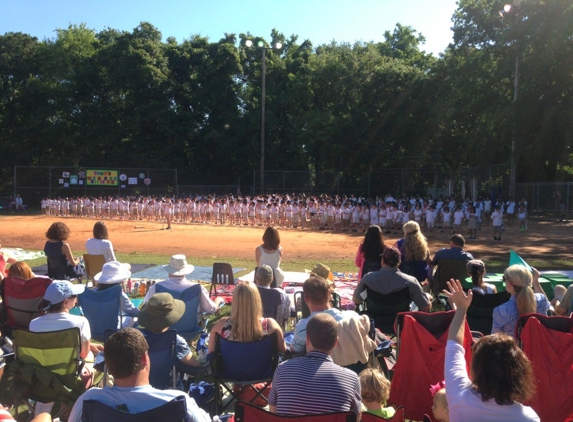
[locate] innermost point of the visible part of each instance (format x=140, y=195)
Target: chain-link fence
x=35, y=183
x=547, y=199
x=486, y=181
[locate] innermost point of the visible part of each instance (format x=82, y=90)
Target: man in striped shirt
x=313, y=383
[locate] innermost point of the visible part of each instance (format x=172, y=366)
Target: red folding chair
x=245, y=412
x=421, y=347
x=22, y=299
x=548, y=343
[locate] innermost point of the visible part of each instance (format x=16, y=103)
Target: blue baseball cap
x=61, y=290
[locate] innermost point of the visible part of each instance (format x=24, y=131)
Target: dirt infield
x=544, y=240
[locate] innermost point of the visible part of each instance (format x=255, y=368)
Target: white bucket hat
x=113, y=272
x=178, y=266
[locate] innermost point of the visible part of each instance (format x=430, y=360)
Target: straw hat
x=323, y=271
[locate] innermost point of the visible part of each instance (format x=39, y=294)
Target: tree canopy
x=129, y=99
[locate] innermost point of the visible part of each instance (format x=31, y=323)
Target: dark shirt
x=455, y=252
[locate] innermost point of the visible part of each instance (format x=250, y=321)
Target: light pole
x=514, y=9
x=261, y=44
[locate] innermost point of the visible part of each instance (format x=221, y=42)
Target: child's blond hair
x=440, y=397
x=375, y=387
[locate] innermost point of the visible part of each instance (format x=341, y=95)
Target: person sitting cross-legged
x=313, y=383
x=127, y=359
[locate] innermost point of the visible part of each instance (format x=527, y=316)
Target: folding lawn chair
x=243, y=364
x=246, y=412
x=222, y=275
x=102, y=309
x=398, y=416
x=548, y=343
x=188, y=325
x=46, y=369
x=420, y=351
x=298, y=297
x=173, y=411
x=94, y=264
x=480, y=312
x=448, y=269
x=383, y=308
x=22, y=299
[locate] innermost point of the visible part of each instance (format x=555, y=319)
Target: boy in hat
x=160, y=313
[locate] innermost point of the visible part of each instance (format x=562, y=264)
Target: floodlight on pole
x=513, y=9
x=261, y=45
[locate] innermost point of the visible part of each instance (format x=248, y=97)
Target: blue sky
x=320, y=21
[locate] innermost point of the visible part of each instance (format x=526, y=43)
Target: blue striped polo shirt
x=314, y=384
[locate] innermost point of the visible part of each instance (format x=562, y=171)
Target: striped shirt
x=314, y=384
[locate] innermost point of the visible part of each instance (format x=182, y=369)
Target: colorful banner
x=101, y=177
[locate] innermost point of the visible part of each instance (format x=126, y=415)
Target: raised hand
x=457, y=295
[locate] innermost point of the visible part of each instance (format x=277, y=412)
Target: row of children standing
x=324, y=212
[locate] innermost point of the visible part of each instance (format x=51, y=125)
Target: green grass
x=340, y=265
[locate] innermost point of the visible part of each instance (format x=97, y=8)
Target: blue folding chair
x=102, y=309
x=243, y=364
x=188, y=326
x=172, y=411
x=163, y=371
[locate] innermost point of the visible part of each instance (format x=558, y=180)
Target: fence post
x=567, y=203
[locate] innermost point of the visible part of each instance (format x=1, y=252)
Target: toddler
x=375, y=391
x=440, y=406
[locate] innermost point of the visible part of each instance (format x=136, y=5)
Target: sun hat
x=61, y=290
x=323, y=271
x=113, y=272
x=264, y=274
x=178, y=266
x=160, y=312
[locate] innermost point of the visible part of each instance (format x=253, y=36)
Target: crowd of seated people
x=331, y=344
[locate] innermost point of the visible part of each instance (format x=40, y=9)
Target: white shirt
x=465, y=404
x=179, y=284
x=100, y=247
x=61, y=321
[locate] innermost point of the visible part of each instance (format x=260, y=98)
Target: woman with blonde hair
x=415, y=254
x=246, y=322
x=524, y=299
